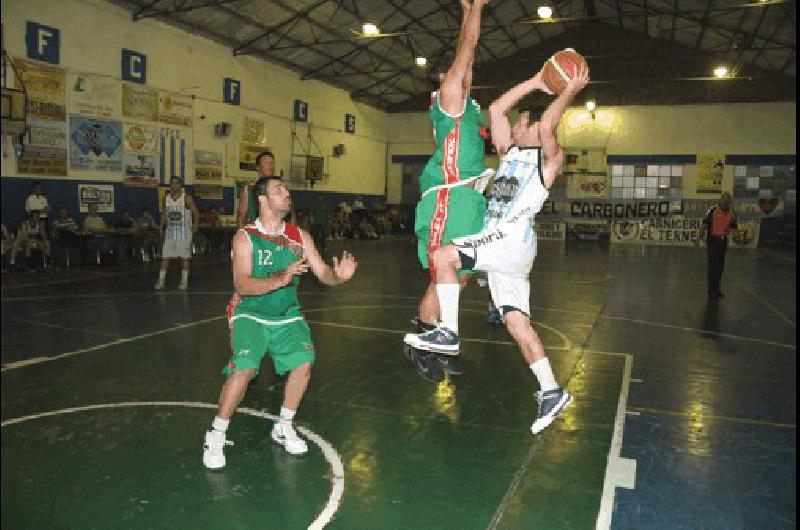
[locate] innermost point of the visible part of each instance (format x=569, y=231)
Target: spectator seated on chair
x=210, y=230
x=32, y=235
x=95, y=226
x=65, y=234
x=150, y=234
x=8, y=245
x=126, y=238
x=366, y=230
x=37, y=203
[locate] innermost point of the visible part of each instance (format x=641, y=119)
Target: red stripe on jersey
x=290, y=238
x=450, y=174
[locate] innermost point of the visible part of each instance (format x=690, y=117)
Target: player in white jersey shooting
x=506, y=246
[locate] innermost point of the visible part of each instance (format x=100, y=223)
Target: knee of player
x=444, y=256
x=304, y=369
x=518, y=323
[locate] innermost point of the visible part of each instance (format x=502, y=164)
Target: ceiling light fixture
x=370, y=30
x=591, y=105
x=545, y=12
x=721, y=71
x=422, y=62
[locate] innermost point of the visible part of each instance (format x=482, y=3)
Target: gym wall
x=188, y=65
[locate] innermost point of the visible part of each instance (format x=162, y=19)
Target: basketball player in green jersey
x=247, y=210
x=450, y=207
x=264, y=314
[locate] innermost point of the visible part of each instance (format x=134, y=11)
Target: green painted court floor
x=415, y=455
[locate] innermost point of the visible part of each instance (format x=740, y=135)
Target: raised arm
x=455, y=84
x=342, y=270
x=552, y=116
x=243, y=280
x=498, y=111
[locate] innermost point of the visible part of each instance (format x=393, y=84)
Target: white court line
x=587, y=313
x=38, y=360
x=617, y=472
x=330, y=454
x=471, y=302
x=770, y=307
x=67, y=328
x=620, y=472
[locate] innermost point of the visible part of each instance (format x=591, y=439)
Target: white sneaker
x=159, y=286
x=183, y=286
x=213, y=456
x=286, y=436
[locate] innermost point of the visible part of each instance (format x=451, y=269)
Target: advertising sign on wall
x=139, y=102
x=100, y=194
x=551, y=231
x=95, y=145
x=94, y=96
x=45, y=149
x=709, y=173
x=45, y=87
x=175, y=109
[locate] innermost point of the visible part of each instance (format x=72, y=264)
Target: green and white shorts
x=289, y=344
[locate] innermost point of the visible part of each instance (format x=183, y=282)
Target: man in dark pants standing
x=716, y=226
x=320, y=222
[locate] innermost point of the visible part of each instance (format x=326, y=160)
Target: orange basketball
x=560, y=68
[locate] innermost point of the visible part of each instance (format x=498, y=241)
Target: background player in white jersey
x=179, y=220
x=506, y=247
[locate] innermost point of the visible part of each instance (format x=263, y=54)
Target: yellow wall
x=94, y=32
x=742, y=128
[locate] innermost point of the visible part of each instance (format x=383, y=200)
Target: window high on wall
x=647, y=181
x=764, y=182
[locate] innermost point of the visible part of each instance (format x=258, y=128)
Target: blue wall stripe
x=651, y=159
x=410, y=159
x=163, y=159
x=171, y=157
x=761, y=160
x=183, y=159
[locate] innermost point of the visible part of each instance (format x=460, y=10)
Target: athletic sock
x=219, y=424
x=423, y=327
x=162, y=275
x=448, y=303
x=541, y=369
x=287, y=415
x=184, y=275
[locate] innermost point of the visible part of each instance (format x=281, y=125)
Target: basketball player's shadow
x=711, y=320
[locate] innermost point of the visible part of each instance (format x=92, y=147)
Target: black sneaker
x=440, y=340
x=428, y=366
x=493, y=317
x=551, y=404
x=450, y=364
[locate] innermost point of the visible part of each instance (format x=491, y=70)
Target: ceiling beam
x=703, y=25
x=333, y=59
x=291, y=19
x=183, y=8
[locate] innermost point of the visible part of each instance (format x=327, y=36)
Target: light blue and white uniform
x=178, y=233
x=506, y=246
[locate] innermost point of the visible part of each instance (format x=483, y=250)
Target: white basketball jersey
x=518, y=194
x=178, y=217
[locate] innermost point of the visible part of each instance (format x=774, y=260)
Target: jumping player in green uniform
x=264, y=314
x=247, y=209
x=451, y=205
